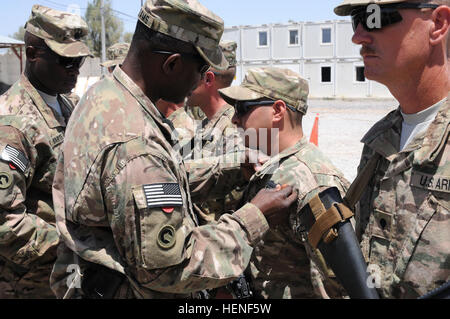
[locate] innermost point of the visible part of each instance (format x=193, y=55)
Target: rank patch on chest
x=163, y=195
x=432, y=182
x=15, y=157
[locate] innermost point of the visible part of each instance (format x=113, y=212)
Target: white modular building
x=321, y=52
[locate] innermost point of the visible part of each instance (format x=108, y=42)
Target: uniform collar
x=436, y=136
x=52, y=118
x=219, y=114
x=384, y=137
x=268, y=166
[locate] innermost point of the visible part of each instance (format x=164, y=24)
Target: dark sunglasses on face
x=66, y=62
x=243, y=107
x=204, y=67
x=388, y=14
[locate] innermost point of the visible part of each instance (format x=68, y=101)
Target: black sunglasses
x=66, y=62
x=204, y=66
x=243, y=107
x=388, y=14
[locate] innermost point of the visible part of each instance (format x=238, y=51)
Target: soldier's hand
x=274, y=203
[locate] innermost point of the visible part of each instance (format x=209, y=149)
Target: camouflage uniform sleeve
x=24, y=237
x=162, y=247
x=215, y=176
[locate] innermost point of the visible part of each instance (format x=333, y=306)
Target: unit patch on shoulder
x=163, y=195
x=5, y=180
x=15, y=157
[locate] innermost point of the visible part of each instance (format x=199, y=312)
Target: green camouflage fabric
x=28, y=236
x=116, y=54
x=184, y=124
x=229, y=51
x=403, y=218
x=284, y=265
x=345, y=8
x=118, y=146
x=196, y=113
x=72, y=97
x=63, y=32
x=219, y=137
x=272, y=83
x=188, y=21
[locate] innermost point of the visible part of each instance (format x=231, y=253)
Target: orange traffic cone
x=315, y=132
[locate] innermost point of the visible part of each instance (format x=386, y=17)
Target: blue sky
x=233, y=12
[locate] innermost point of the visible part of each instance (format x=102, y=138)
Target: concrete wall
x=9, y=67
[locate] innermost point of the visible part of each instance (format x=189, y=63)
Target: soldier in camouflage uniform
x=284, y=265
x=121, y=192
x=33, y=117
x=214, y=133
x=115, y=54
x=403, y=215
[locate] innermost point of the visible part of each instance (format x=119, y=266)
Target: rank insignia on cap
x=15, y=157
x=163, y=195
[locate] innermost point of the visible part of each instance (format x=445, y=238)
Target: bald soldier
x=121, y=191
x=271, y=102
x=403, y=216
x=33, y=117
x=115, y=55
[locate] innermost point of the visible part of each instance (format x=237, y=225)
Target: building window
x=263, y=41
x=360, y=77
x=326, y=74
x=326, y=36
x=293, y=37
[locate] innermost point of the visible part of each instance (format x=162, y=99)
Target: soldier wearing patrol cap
x=402, y=192
x=122, y=194
x=272, y=102
x=33, y=117
x=115, y=54
x=215, y=134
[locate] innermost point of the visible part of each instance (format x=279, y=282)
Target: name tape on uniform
x=431, y=182
x=163, y=195
x=16, y=157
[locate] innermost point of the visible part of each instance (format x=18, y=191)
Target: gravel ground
x=342, y=124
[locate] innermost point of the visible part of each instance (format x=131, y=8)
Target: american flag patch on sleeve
x=16, y=157
x=163, y=195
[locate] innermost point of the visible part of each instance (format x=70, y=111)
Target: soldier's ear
x=209, y=78
x=279, y=110
x=441, y=26
x=31, y=53
x=172, y=65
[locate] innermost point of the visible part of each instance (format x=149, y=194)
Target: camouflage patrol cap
x=345, y=8
x=116, y=54
x=188, y=21
x=272, y=83
x=229, y=51
x=62, y=31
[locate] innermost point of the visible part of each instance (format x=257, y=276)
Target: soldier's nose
x=361, y=36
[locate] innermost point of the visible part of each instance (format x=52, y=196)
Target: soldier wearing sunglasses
x=33, y=118
x=402, y=192
x=292, y=259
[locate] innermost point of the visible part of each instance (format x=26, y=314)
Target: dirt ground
x=342, y=124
